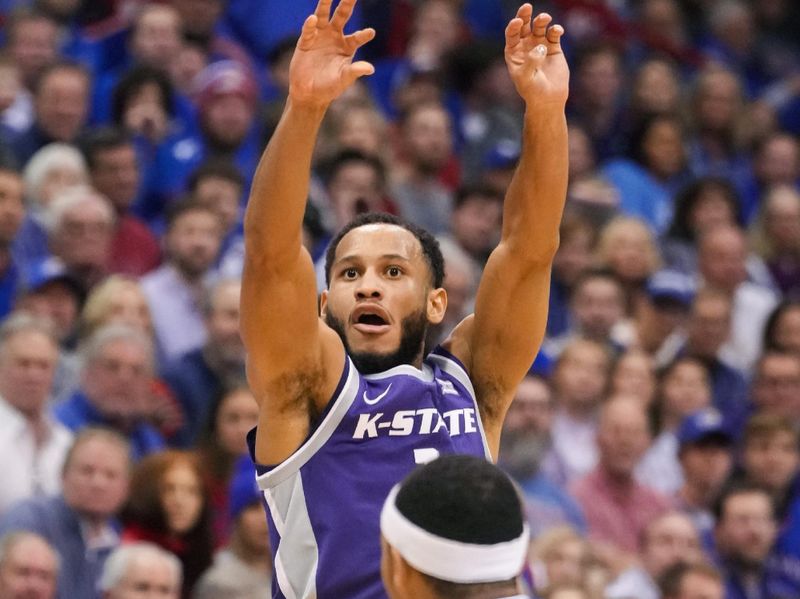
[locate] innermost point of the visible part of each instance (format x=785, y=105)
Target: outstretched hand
x=322, y=66
x=535, y=60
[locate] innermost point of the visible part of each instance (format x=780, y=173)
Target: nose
x=369, y=287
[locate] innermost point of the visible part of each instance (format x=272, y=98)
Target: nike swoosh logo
x=372, y=402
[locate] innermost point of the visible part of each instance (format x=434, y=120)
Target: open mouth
x=370, y=321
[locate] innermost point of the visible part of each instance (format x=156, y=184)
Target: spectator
x=114, y=170
x=634, y=374
x=153, y=41
x=80, y=233
x=721, y=260
x=144, y=104
x=717, y=103
x=243, y=568
x=656, y=86
x=201, y=374
x=597, y=305
x=175, y=290
x=115, y=387
x=227, y=129
x=708, y=328
x=223, y=444
x=702, y=205
x=168, y=507
x=525, y=439
x=49, y=292
x=776, y=163
x=771, y=460
x=618, y=508
x=597, y=101
x=684, y=388
x=653, y=172
x=427, y=146
x=117, y=300
x=705, y=452
x=476, y=221
x=219, y=186
x=660, y=316
x=782, y=331
x=33, y=444
x=776, y=238
x=61, y=106
x=573, y=256
x=745, y=533
x=28, y=567
x=49, y=172
x=692, y=581
x=16, y=111
x=559, y=557
x=627, y=248
x=580, y=380
x=81, y=522
x=11, y=214
x=138, y=568
x=667, y=540
x=32, y=43
x=776, y=385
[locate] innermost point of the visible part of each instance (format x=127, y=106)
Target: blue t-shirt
x=324, y=501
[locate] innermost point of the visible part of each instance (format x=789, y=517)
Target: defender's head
x=453, y=528
x=384, y=280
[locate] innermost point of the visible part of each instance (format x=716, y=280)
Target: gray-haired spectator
x=28, y=567
x=175, y=291
x=141, y=570
x=115, y=388
x=200, y=375
x=32, y=444
x=80, y=227
x=50, y=171
x=80, y=523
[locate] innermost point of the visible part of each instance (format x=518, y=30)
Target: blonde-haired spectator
x=118, y=299
x=628, y=248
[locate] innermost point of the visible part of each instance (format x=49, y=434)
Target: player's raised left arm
x=500, y=341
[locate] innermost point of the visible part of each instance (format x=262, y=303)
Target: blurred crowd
x=656, y=436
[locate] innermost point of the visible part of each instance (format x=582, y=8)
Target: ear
x=437, y=305
x=323, y=303
x=400, y=571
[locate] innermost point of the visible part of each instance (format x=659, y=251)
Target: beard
x=522, y=452
x=413, y=330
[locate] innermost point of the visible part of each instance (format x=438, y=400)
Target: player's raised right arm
x=279, y=318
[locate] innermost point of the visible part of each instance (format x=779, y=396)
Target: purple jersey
x=325, y=499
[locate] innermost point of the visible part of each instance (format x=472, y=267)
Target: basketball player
x=348, y=403
x=452, y=529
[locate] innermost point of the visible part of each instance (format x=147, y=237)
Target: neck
x=696, y=496
x=649, y=341
x=257, y=560
x=618, y=479
x=583, y=411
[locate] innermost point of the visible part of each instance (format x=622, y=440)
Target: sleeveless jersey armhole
x=346, y=391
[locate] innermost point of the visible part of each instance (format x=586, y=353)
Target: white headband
x=454, y=561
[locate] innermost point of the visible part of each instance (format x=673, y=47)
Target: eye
x=350, y=273
x=394, y=271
